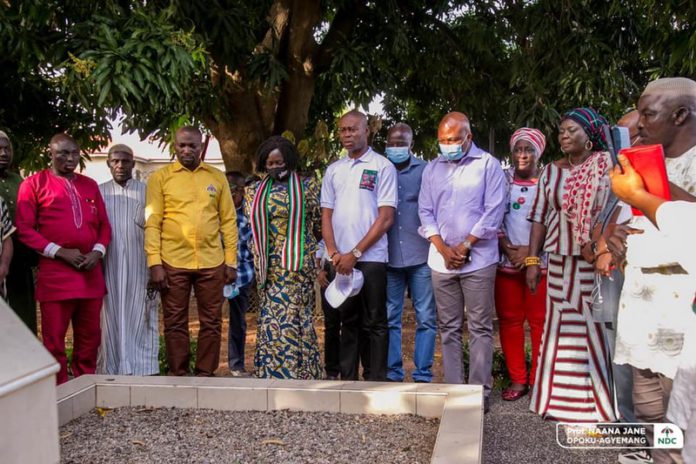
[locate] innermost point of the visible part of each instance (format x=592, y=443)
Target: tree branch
x=442, y=26
x=343, y=24
x=278, y=18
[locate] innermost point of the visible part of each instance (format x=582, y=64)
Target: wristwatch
x=467, y=244
x=357, y=253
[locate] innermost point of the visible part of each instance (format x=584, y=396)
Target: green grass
x=162, y=356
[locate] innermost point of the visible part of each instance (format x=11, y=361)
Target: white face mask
x=397, y=154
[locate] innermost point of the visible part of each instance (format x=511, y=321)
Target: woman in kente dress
x=284, y=212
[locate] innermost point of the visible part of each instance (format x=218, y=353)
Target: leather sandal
x=513, y=395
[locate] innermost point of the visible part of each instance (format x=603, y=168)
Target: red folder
x=649, y=162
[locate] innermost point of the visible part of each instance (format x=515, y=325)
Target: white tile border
x=459, y=407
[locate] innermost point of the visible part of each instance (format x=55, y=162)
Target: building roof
x=149, y=150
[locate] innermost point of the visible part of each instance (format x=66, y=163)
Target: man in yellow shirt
x=188, y=208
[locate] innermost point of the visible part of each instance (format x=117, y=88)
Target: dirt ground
x=408, y=337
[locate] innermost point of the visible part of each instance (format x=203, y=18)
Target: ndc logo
x=668, y=436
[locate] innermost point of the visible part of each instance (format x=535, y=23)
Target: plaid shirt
x=245, y=261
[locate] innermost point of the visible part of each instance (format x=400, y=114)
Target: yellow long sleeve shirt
x=186, y=213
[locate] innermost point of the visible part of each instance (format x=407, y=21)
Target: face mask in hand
x=279, y=173
x=397, y=154
x=452, y=152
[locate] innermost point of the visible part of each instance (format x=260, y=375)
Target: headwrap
x=533, y=136
x=3, y=135
x=293, y=252
x=591, y=122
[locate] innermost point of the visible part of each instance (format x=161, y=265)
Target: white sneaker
x=635, y=457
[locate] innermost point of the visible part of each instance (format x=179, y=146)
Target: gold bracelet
x=532, y=261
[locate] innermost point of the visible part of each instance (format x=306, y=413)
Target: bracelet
x=597, y=255
x=532, y=261
x=333, y=254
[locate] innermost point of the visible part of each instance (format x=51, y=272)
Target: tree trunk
x=246, y=123
x=252, y=115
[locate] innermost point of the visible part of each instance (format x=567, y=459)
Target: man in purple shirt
x=408, y=256
x=461, y=206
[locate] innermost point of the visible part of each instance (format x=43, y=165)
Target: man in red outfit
x=61, y=216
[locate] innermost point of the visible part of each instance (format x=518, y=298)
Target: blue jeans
x=418, y=280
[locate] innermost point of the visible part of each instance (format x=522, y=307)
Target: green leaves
x=74, y=66
x=265, y=68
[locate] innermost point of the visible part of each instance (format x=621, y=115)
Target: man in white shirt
x=655, y=312
x=677, y=220
x=358, y=200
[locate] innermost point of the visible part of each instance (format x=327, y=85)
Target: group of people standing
x=464, y=236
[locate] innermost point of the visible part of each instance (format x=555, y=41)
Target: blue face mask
x=397, y=154
x=452, y=152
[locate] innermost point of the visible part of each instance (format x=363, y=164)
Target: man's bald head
x=188, y=146
x=400, y=133
x=353, y=132
x=454, y=129
x=62, y=137
x=630, y=121
x=359, y=115
x=65, y=154
x=455, y=119
x=192, y=130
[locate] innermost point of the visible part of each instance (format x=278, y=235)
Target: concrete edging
x=459, y=407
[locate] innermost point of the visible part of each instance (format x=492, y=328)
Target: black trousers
x=364, y=327
x=20, y=283
x=332, y=332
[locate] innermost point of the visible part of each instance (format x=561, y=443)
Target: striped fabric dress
x=573, y=381
x=130, y=331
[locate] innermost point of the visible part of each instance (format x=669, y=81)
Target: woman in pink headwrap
x=514, y=301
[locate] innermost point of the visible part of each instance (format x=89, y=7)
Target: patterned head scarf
x=591, y=122
x=533, y=136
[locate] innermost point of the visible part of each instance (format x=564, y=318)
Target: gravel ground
x=513, y=434
x=139, y=435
